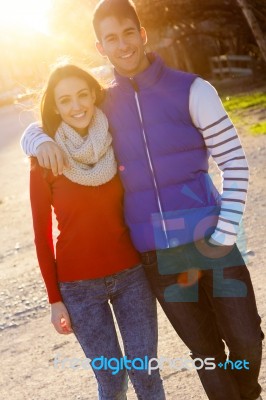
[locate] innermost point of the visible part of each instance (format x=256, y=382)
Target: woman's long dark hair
x=51, y=120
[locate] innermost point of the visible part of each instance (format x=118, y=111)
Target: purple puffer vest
x=163, y=163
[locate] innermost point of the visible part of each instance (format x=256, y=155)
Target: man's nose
x=123, y=44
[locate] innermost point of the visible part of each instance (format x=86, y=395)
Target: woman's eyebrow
x=68, y=95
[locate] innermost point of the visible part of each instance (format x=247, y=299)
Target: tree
x=254, y=26
x=200, y=29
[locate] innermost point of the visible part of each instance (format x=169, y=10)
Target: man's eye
x=111, y=40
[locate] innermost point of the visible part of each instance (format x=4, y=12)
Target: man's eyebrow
x=109, y=35
x=130, y=29
x=127, y=30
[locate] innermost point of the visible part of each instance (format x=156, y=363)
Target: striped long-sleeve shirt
x=223, y=144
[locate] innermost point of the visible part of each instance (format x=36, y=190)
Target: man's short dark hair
x=119, y=9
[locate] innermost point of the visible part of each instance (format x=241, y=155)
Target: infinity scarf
x=91, y=158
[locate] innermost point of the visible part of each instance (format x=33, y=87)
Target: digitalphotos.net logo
x=146, y=364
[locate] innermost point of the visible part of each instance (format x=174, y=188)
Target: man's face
x=123, y=44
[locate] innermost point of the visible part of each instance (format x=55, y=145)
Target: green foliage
x=237, y=103
x=258, y=129
x=161, y=13
x=245, y=108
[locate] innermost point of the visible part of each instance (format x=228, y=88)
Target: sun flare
x=24, y=14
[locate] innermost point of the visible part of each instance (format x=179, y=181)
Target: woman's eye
x=64, y=101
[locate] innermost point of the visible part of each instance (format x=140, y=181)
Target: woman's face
x=74, y=102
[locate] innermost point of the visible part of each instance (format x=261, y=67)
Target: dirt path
x=28, y=341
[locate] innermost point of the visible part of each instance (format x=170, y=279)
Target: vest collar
x=144, y=79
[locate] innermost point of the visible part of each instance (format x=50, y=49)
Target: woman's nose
x=75, y=104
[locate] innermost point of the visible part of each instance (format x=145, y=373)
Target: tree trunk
x=254, y=26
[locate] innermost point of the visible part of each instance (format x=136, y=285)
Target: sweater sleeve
x=41, y=200
x=223, y=144
x=32, y=137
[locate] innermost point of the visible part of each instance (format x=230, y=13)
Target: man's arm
x=33, y=137
x=35, y=142
x=223, y=144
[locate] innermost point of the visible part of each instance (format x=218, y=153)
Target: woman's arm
x=41, y=200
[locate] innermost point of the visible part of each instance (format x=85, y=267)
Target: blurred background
x=190, y=35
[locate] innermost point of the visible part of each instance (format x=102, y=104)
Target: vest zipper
x=150, y=163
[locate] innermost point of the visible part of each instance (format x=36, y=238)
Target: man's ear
x=100, y=48
x=143, y=35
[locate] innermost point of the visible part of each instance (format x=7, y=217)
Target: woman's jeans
x=134, y=307
x=218, y=307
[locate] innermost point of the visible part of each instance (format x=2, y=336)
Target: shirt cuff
x=222, y=239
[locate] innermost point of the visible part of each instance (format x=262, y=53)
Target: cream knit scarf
x=91, y=158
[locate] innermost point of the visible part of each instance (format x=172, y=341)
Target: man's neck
x=147, y=61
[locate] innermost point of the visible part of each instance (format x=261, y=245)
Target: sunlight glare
x=24, y=14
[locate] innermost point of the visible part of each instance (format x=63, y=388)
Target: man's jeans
x=220, y=305
x=134, y=307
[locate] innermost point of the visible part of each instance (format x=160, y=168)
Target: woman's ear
x=56, y=111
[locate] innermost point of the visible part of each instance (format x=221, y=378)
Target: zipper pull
x=134, y=84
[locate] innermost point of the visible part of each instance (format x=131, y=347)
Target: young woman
x=95, y=261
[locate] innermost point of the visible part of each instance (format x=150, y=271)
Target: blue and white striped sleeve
x=32, y=137
x=223, y=144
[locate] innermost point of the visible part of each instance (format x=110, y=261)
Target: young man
x=165, y=124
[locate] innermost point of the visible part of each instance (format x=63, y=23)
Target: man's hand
x=60, y=318
x=50, y=156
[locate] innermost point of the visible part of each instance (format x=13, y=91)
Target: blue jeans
x=218, y=307
x=134, y=307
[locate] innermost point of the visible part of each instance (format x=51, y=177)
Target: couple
x=164, y=125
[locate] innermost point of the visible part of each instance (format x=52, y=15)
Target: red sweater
x=93, y=242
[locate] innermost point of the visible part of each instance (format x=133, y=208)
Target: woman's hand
x=60, y=318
